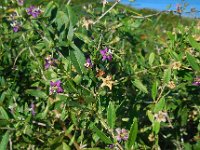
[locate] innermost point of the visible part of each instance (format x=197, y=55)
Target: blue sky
x=162, y=4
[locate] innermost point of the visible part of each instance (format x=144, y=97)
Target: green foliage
x=58, y=92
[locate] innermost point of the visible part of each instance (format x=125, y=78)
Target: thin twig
x=10, y=141
x=69, y=135
x=160, y=95
x=18, y=56
x=117, y=1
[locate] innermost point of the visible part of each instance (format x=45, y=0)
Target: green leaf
x=72, y=17
x=150, y=115
x=111, y=115
x=133, y=133
x=194, y=43
x=83, y=37
x=36, y=93
x=3, y=113
x=167, y=75
x=4, y=141
x=101, y=135
x=151, y=58
x=61, y=19
x=65, y=146
x=160, y=105
x=156, y=127
x=70, y=33
x=154, y=90
x=192, y=61
x=73, y=21
x=50, y=6
x=3, y=122
x=140, y=86
x=77, y=59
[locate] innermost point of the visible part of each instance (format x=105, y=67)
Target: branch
x=117, y=1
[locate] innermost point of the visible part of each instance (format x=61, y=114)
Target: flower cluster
x=196, y=81
x=15, y=24
x=33, y=11
x=55, y=87
x=49, y=61
x=106, y=54
x=161, y=116
x=122, y=134
x=88, y=63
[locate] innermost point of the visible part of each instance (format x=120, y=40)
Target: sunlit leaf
x=4, y=141
x=101, y=135
x=140, y=85
x=78, y=59
x=192, y=61
x=36, y=93
x=111, y=115
x=167, y=75
x=133, y=133
x=160, y=105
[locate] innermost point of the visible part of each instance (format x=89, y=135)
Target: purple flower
x=122, y=134
x=111, y=146
x=88, y=63
x=55, y=87
x=49, y=61
x=16, y=28
x=16, y=25
x=196, y=81
x=106, y=54
x=33, y=11
x=20, y=2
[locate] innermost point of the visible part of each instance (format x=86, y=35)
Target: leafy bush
x=72, y=80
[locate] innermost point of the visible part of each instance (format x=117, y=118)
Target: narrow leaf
x=3, y=113
x=156, y=127
x=4, y=141
x=101, y=135
x=111, y=115
x=194, y=43
x=83, y=37
x=167, y=75
x=61, y=19
x=77, y=59
x=151, y=58
x=160, y=105
x=154, y=90
x=50, y=6
x=133, y=133
x=70, y=33
x=192, y=61
x=72, y=17
x=140, y=85
x=36, y=93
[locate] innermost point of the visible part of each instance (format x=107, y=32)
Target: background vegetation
x=72, y=80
